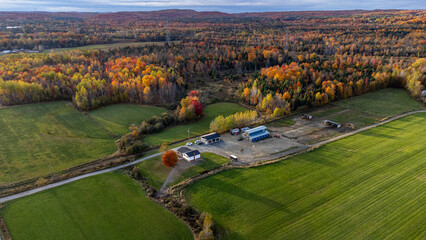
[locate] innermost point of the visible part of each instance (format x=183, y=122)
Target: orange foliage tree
x=170, y=158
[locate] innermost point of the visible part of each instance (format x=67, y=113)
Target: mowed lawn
x=36, y=136
x=118, y=118
x=367, y=186
x=369, y=108
x=208, y=161
x=108, y=206
x=196, y=128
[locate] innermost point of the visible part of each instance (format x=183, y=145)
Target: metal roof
x=253, y=130
x=211, y=136
x=259, y=134
x=184, y=149
x=193, y=153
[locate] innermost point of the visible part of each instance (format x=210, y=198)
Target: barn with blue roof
x=257, y=134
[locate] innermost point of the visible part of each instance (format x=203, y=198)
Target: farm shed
x=210, y=138
x=192, y=155
x=257, y=134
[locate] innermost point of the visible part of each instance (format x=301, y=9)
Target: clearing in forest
x=369, y=185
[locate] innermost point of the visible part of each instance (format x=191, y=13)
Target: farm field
x=369, y=108
x=107, y=206
x=156, y=173
x=196, y=128
x=118, y=118
x=105, y=46
x=37, y=136
x=369, y=185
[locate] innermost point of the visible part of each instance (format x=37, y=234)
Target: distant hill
x=174, y=14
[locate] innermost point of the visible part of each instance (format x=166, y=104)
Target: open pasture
x=370, y=185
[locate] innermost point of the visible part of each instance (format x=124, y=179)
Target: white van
x=233, y=157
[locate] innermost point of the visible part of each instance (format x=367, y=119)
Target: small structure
x=180, y=151
x=244, y=129
x=332, y=124
x=424, y=93
x=210, y=138
x=188, y=154
x=257, y=134
x=306, y=116
x=192, y=155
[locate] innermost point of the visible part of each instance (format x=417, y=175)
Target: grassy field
x=105, y=46
x=284, y=122
x=107, y=206
x=155, y=172
x=117, y=118
x=196, y=128
x=367, y=186
x=36, y=136
x=369, y=108
x=208, y=161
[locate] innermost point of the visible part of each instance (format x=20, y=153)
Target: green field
x=117, y=118
x=154, y=171
x=37, y=136
x=107, y=206
x=196, y=128
x=208, y=161
x=369, y=108
x=367, y=186
x=105, y=46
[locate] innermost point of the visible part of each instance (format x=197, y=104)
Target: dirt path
x=53, y=185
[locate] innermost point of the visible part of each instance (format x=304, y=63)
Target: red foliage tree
x=198, y=106
x=170, y=158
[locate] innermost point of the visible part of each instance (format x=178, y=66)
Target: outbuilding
x=210, y=138
x=424, y=93
x=257, y=134
x=192, y=155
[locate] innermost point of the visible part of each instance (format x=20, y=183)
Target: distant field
x=36, y=136
x=196, y=128
x=367, y=186
x=369, y=108
x=105, y=46
x=117, y=118
x=107, y=206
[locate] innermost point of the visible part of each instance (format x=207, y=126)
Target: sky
x=234, y=6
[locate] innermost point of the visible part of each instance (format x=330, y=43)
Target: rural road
x=49, y=186
x=53, y=185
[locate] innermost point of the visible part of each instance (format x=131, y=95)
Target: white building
x=192, y=155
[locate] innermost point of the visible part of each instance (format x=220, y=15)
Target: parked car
x=277, y=136
x=240, y=139
x=235, y=131
x=198, y=142
x=188, y=143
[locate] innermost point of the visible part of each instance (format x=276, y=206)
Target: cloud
x=218, y=5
